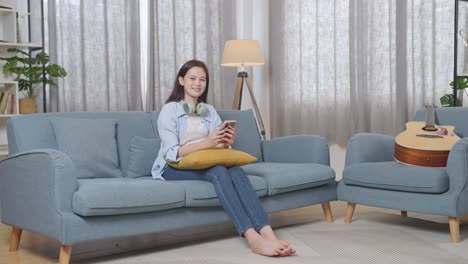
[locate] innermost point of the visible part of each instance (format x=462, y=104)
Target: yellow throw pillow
x=207, y=158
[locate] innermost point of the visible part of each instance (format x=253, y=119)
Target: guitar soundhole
x=430, y=128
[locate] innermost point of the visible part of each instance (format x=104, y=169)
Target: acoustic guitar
x=424, y=143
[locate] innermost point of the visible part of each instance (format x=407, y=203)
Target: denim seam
x=240, y=228
x=253, y=218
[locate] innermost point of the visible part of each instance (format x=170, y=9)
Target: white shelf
x=9, y=31
x=11, y=37
x=4, y=11
x=8, y=25
x=4, y=46
x=14, y=44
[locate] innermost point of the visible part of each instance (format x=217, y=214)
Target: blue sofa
x=54, y=184
x=372, y=177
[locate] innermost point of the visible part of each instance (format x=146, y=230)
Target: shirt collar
x=180, y=110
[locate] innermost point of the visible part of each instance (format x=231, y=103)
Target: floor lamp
x=241, y=53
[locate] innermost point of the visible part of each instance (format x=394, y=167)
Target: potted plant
x=31, y=70
x=448, y=100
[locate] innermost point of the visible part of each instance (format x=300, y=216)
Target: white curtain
x=181, y=30
x=97, y=42
x=346, y=66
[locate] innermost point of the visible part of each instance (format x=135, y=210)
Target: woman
x=187, y=124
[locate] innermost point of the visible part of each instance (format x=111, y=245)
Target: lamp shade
x=239, y=53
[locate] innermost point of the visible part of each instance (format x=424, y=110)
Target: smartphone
x=231, y=123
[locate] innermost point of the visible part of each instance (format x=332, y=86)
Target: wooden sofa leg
x=327, y=211
x=454, y=224
x=404, y=213
x=65, y=253
x=15, y=238
x=349, y=212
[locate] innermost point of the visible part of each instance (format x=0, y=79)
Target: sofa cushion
x=287, y=177
x=208, y=158
x=126, y=196
x=142, y=154
x=91, y=145
x=202, y=193
x=392, y=175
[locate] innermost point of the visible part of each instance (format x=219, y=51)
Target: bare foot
x=267, y=232
x=263, y=246
x=286, y=252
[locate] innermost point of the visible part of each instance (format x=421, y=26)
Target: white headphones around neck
x=190, y=108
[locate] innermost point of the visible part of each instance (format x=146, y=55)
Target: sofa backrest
x=35, y=131
x=453, y=116
x=248, y=138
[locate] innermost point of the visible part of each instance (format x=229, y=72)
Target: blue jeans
x=234, y=190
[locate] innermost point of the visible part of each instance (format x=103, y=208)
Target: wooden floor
x=33, y=248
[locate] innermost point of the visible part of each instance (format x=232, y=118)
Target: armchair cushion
x=142, y=153
x=392, y=175
x=91, y=145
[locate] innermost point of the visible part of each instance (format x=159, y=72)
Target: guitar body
x=416, y=146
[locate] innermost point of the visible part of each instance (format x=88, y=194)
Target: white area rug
x=373, y=237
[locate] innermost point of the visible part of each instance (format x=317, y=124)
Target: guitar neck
x=430, y=116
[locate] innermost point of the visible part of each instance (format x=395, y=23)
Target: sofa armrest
x=297, y=149
x=457, y=169
x=369, y=147
x=36, y=190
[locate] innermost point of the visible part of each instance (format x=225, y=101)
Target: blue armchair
x=372, y=177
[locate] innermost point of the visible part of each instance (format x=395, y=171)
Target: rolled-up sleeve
x=216, y=120
x=168, y=133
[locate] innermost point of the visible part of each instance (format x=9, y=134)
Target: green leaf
x=462, y=83
x=56, y=71
x=447, y=100
x=42, y=58
x=31, y=69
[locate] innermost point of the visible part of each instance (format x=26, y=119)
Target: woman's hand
x=214, y=138
x=229, y=136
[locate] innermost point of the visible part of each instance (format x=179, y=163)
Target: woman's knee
x=219, y=173
x=236, y=171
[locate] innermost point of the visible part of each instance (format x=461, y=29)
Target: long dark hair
x=178, y=90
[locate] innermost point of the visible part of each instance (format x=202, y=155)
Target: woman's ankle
x=262, y=245
x=251, y=235
x=267, y=232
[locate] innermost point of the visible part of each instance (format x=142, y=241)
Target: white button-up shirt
x=172, y=125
